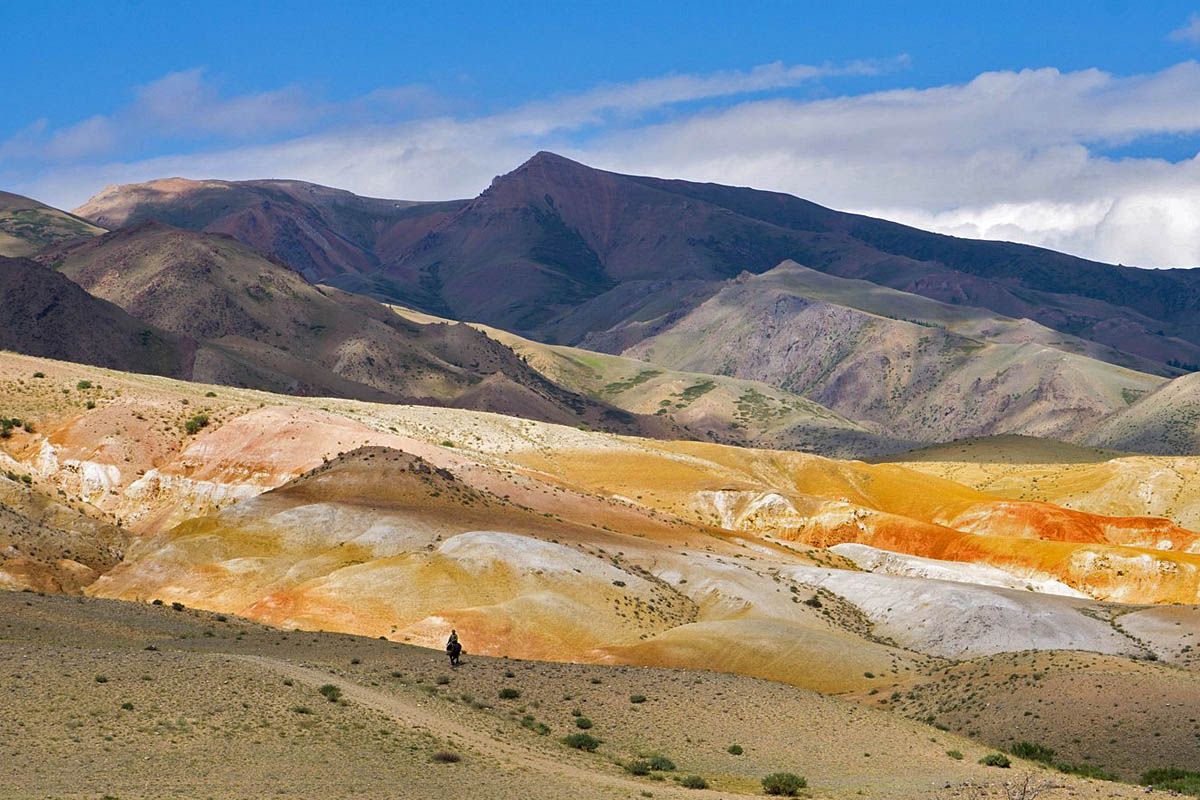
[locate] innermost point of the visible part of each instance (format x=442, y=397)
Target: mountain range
x=584, y=250
x=923, y=498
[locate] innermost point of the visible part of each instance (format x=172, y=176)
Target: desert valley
x=721, y=489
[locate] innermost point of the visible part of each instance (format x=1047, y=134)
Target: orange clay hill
x=542, y=541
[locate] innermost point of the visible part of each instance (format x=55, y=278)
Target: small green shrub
x=83, y=385
x=583, y=723
x=582, y=741
x=446, y=757
x=301, y=710
x=693, y=782
x=1086, y=771
x=784, y=784
x=638, y=767
x=330, y=692
x=210, y=394
x=735, y=750
x=101, y=679
x=127, y=706
x=637, y=698
x=1033, y=752
x=814, y=602
x=996, y=760
x=195, y=424
x=1172, y=779
x=660, y=763
x=39, y=374
x=955, y=754
x=509, y=693
x=178, y=606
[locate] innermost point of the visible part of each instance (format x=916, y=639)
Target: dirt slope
x=264, y=325
x=27, y=226
x=919, y=379
x=171, y=703
x=708, y=407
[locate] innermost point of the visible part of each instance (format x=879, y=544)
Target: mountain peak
x=546, y=158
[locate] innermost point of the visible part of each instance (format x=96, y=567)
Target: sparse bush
x=735, y=750
x=101, y=679
x=529, y=722
x=509, y=693
x=156, y=602
x=693, y=782
x=1033, y=752
x=330, y=692
x=127, y=706
x=638, y=767
x=83, y=385
x=178, y=606
x=301, y=710
x=582, y=741
x=1086, y=771
x=660, y=763
x=442, y=680
x=996, y=760
x=89, y=405
x=637, y=698
x=39, y=374
x=195, y=424
x=446, y=757
x=785, y=784
x=583, y=722
x=955, y=754
x=814, y=602
x=1183, y=781
x=595, y=681
x=210, y=394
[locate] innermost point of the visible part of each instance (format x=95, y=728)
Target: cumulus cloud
x=1022, y=155
x=1189, y=32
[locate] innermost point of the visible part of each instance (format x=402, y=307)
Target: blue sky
x=1067, y=124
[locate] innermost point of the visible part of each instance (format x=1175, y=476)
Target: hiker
x=453, y=648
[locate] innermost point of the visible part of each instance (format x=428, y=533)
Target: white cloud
x=1013, y=155
x=1189, y=32
x=180, y=105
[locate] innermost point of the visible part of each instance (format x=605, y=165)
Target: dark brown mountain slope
x=288, y=335
x=42, y=313
x=318, y=231
x=562, y=233
x=555, y=250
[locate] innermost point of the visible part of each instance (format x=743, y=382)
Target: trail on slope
x=413, y=715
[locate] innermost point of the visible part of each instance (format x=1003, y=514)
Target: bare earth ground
x=123, y=700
